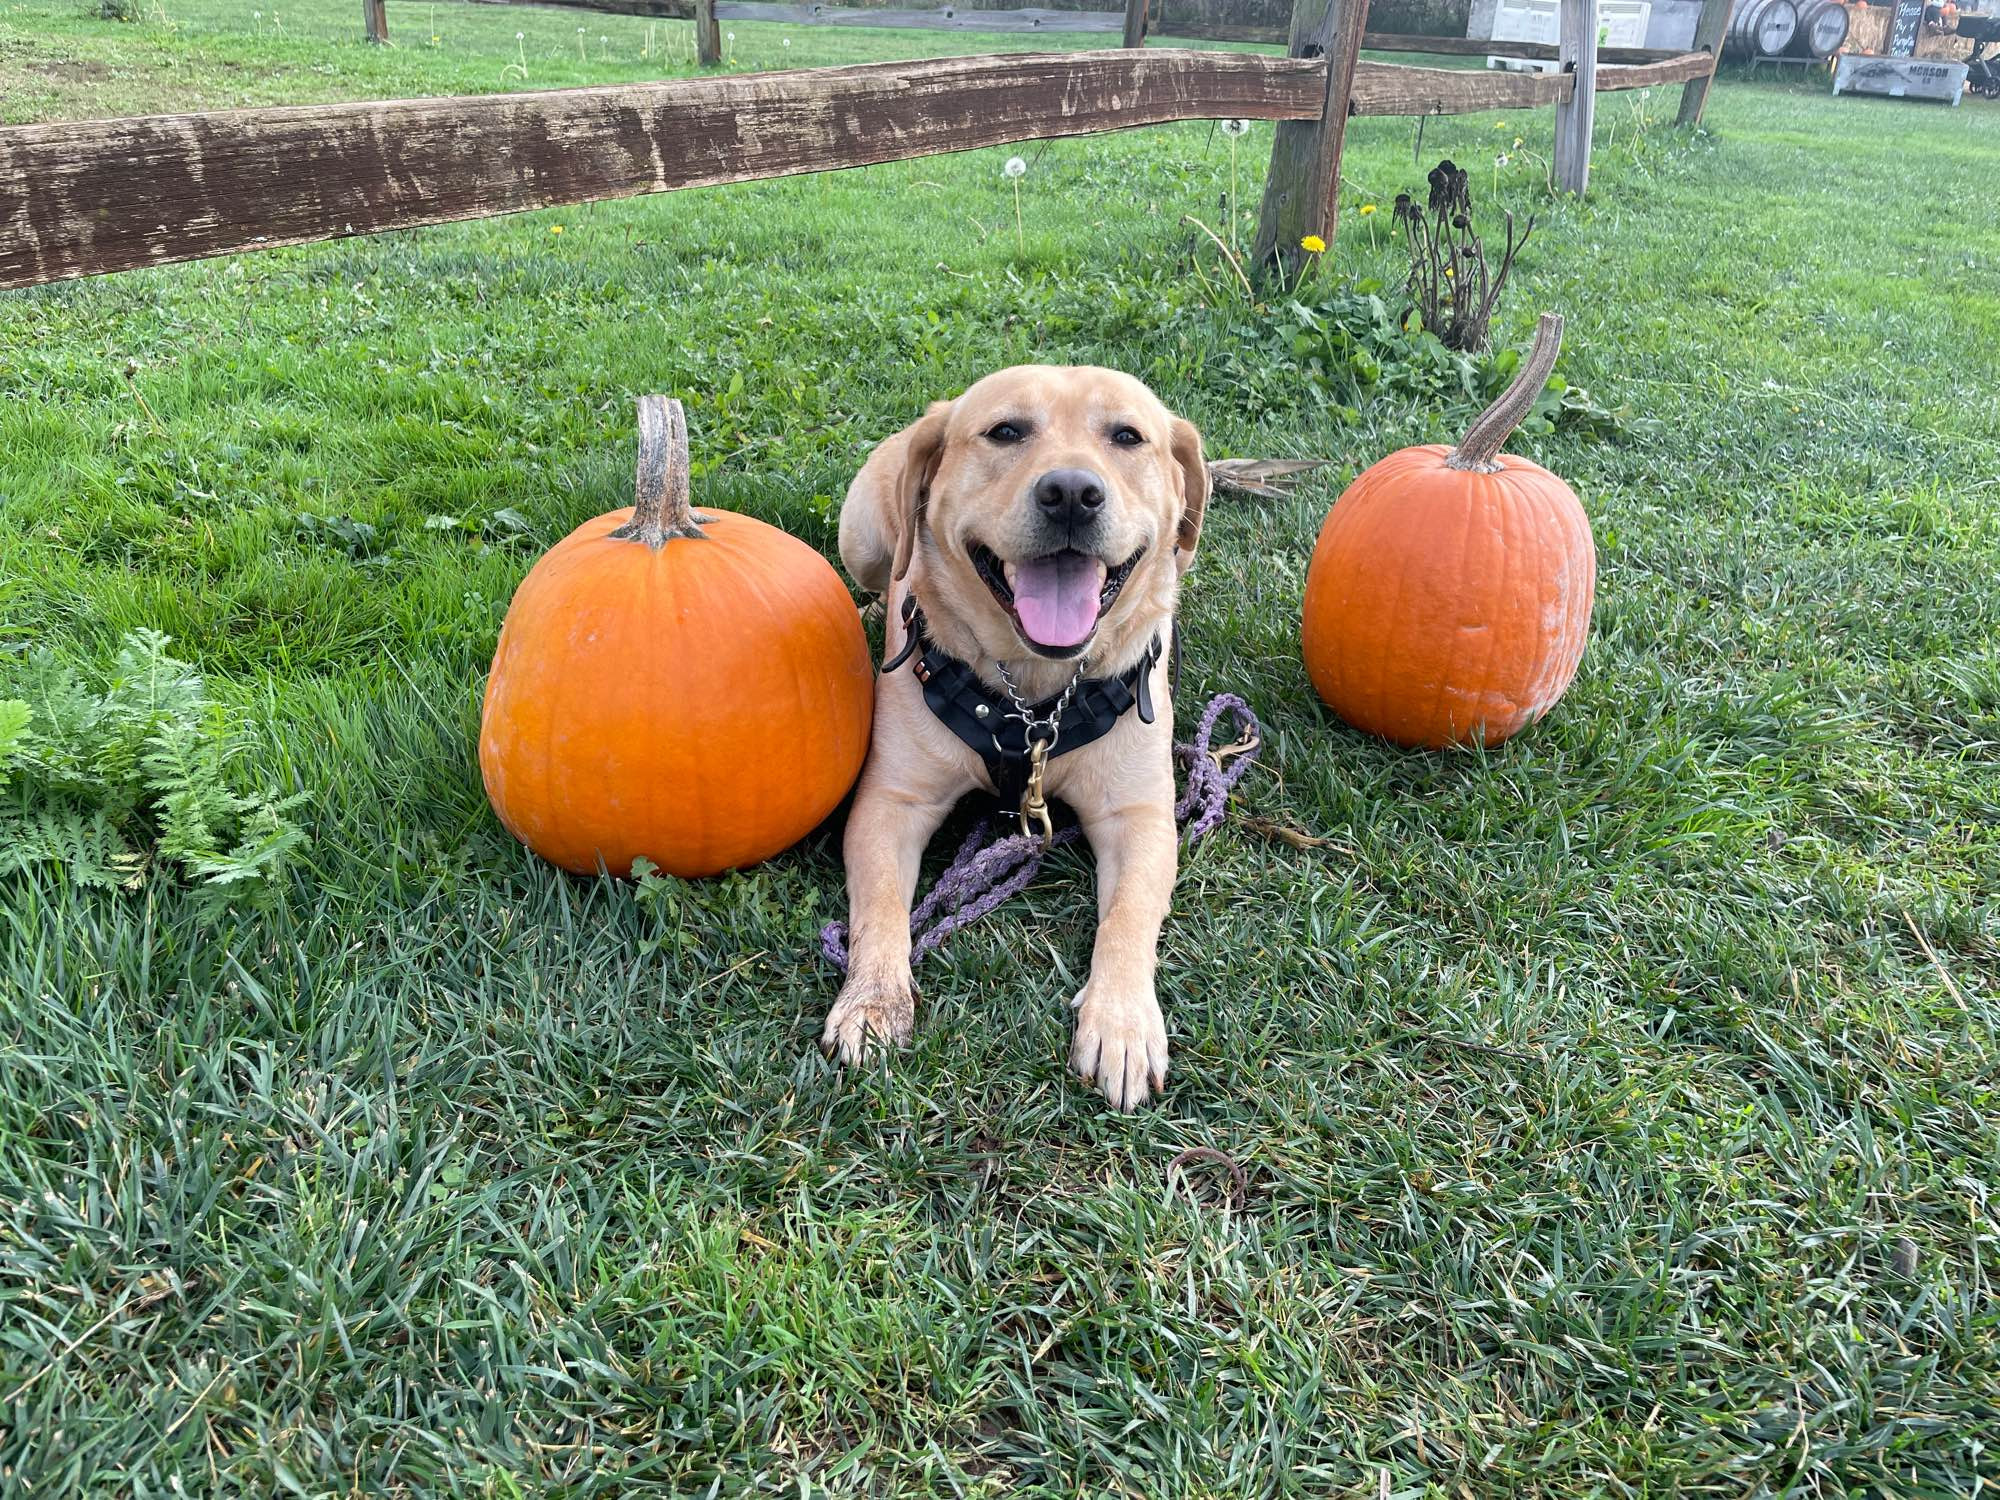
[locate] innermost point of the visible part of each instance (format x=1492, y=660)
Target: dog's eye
x=1006, y=432
x=1127, y=437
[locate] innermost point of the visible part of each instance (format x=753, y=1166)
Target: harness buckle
x=1035, y=820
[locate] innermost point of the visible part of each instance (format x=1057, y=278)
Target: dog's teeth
x=1007, y=571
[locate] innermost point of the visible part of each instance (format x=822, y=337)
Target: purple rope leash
x=993, y=866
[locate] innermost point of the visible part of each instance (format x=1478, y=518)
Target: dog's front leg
x=1121, y=1038
x=886, y=834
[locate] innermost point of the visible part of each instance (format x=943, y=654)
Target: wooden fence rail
x=110, y=195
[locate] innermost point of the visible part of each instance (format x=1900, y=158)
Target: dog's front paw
x=1121, y=1042
x=871, y=1014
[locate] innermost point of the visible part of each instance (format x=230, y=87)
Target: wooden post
x=1135, y=23
x=1576, y=50
x=1302, y=193
x=707, y=34
x=1708, y=34
x=375, y=16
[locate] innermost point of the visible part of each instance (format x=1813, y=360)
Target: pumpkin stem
x=1481, y=445
x=660, y=510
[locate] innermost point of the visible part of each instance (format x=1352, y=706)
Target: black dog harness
x=1015, y=744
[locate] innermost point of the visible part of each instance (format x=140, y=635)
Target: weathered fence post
x=707, y=35
x=375, y=16
x=1576, y=50
x=1708, y=34
x=1302, y=193
x=1135, y=23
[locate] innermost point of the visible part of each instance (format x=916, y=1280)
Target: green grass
x=1586, y=1087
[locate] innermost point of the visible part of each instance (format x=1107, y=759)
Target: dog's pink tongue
x=1056, y=597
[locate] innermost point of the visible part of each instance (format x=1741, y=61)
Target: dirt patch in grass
x=67, y=71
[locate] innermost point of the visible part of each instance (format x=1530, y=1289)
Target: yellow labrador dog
x=1030, y=538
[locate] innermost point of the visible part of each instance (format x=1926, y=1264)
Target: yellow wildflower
x=1312, y=244
x=555, y=229
x=1366, y=209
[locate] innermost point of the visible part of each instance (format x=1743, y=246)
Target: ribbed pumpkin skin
x=1446, y=606
x=704, y=705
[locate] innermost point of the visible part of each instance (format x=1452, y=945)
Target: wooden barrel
x=1762, y=28
x=1822, y=28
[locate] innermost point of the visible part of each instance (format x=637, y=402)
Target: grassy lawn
x=1619, y=1107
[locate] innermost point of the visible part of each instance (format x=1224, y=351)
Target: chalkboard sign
x=1904, y=27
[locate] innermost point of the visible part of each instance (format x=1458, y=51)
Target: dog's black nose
x=1069, y=496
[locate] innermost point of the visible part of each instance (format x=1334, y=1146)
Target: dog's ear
x=1185, y=445
x=921, y=457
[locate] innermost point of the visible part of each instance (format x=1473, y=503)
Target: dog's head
x=1051, y=508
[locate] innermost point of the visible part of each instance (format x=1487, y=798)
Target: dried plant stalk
x=1450, y=285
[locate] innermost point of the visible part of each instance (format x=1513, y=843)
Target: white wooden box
x=1900, y=77
x=1620, y=23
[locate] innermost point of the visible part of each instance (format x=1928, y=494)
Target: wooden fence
x=1333, y=31
x=80, y=199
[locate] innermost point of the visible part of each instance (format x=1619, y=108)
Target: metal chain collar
x=1035, y=819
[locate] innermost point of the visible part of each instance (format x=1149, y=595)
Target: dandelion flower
x=732, y=36
x=1235, y=127
x=788, y=41
x=555, y=229
x=1501, y=160
x=520, y=36
x=1312, y=244
x=1517, y=143
x=435, y=39
x=1015, y=167
x=1366, y=209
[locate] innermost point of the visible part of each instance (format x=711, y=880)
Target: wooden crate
x=1900, y=77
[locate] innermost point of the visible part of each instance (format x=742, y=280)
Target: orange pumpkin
x=694, y=689
x=1450, y=589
